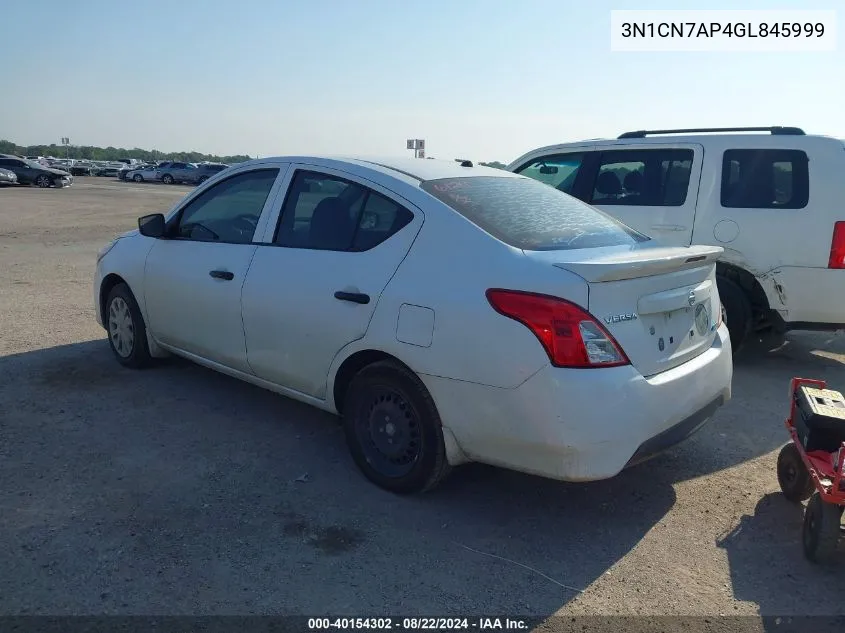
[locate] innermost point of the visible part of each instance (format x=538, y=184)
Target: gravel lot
x=175, y=490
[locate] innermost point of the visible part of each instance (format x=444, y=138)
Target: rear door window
x=528, y=214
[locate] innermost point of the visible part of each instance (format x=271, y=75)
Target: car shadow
x=180, y=490
x=768, y=567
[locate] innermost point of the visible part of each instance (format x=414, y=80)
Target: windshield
x=33, y=163
x=529, y=215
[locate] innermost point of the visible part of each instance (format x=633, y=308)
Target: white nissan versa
x=448, y=312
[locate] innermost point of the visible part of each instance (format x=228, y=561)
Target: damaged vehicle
x=769, y=196
x=449, y=313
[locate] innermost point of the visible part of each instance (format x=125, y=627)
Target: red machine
x=813, y=464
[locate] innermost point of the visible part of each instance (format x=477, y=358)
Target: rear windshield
x=530, y=215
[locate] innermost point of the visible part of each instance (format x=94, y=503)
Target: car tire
x=167, y=179
x=793, y=476
x=822, y=528
x=127, y=332
x=44, y=181
x=737, y=311
x=393, y=429
x=138, y=178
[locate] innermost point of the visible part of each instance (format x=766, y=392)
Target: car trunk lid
x=661, y=304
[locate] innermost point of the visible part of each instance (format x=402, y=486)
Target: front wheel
x=126, y=329
x=793, y=476
x=43, y=181
x=138, y=178
x=393, y=429
x=167, y=179
x=821, y=529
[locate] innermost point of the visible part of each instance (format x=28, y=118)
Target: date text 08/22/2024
x=418, y=624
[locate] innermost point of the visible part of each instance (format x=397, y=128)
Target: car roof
x=413, y=170
x=713, y=141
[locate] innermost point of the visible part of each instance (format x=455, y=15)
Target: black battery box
x=819, y=419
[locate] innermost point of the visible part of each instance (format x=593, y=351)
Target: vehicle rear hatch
x=659, y=303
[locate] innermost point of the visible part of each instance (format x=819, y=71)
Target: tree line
x=90, y=152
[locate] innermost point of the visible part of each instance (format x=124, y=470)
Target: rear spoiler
x=643, y=263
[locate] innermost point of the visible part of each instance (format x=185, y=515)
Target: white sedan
x=143, y=174
x=448, y=312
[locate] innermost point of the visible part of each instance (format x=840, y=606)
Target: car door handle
x=668, y=227
x=222, y=274
x=354, y=297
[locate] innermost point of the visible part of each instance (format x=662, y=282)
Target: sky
x=480, y=79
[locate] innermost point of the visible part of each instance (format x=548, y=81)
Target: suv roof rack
x=775, y=129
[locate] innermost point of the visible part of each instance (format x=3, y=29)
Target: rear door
x=651, y=188
x=314, y=283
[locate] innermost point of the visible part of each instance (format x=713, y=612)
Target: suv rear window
x=527, y=214
x=765, y=179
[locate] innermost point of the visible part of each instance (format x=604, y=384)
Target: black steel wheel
x=822, y=529
x=793, y=476
x=393, y=429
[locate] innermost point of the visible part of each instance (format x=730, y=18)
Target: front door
x=313, y=287
x=193, y=278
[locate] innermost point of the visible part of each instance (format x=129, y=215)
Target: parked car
x=108, y=169
x=31, y=173
x=773, y=201
x=176, y=172
x=124, y=171
x=148, y=173
x=577, y=347
x=8, y=177
x=207, y=170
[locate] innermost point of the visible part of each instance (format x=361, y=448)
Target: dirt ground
x=180, y=491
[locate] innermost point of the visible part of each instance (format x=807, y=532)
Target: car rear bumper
x=584, y=424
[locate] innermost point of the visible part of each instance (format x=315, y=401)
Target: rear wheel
x=821, y=529
x=793, y=476
x=393, y=429
x=737, y=311
x=167, y=179
x=44, y=181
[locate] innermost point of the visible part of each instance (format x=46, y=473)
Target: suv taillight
x=568, y=333
x=837, y=247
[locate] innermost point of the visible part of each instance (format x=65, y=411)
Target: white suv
x=775, y=202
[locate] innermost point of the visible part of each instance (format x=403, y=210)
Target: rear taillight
x=569, y=334
x=837, y=247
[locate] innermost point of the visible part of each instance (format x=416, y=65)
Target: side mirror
x=152, y=225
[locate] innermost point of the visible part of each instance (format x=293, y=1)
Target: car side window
x=646, y=178
x=380, y=218
x=559, y=170
x=324, y=212
x=228, y=211
x=765, y=179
